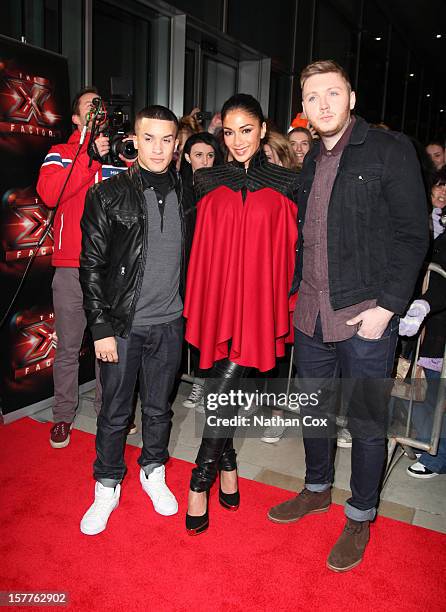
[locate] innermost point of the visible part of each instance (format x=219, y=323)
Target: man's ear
x=352, y=100
x=135, y=141
x=177, y=142
x=76, y=120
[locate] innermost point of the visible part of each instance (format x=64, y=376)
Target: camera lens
x=126, y=149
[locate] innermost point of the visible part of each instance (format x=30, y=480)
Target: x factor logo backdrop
x=34, y=115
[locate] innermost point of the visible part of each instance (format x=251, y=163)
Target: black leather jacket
x=377, y=232
x=114, y=251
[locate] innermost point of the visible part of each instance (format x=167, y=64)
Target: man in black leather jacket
x=131, y=272
x=363, y=236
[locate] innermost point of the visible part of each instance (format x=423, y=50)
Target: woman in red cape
x=238, y=305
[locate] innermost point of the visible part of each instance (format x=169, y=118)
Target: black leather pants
x=216, y=451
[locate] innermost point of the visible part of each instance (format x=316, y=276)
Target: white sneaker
x=154, y=485
x=195, y=397
x=344, y=438
x=106, y=499
x=273, y=434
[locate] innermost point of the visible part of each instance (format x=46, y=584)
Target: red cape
x=239, y=277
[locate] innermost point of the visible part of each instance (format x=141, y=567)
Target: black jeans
x=216, y=450
x=154, y=352
x=368, y=362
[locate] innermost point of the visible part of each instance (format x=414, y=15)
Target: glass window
x=396, y=83
x=130, y=57
x=303, y=36
x=11, y=21
x=279, y=92
x=219, y=83
x=264, y=26
x=427, y=96
x=209, y=12
x=350, y=8
x=189, y=80
x=52, y=30
x=37, y=20
x=372, y=68
x=334, y=38
x=414, y=82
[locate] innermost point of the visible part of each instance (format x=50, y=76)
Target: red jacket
x=54, y=171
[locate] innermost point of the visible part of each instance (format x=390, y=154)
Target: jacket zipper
x=60, y=231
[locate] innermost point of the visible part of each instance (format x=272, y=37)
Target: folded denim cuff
x=359, y=515
x=318, y=488
x=108, y=482
x=148, y=469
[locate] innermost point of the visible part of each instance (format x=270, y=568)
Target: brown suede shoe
x=307, y=502
x=349, y=549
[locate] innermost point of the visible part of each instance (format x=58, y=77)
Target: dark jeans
x=369, y=362
x=155, y=352
x=423, y=416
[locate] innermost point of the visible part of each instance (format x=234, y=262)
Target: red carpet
x=144, y=561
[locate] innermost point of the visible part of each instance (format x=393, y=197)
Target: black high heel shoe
x=229, y=501
x=198, y=524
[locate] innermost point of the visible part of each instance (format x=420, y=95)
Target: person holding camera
x=71, y=161
x=132, y=274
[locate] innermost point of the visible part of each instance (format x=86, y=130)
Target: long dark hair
x=206, y=138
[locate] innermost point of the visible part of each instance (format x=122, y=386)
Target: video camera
x=117, y=129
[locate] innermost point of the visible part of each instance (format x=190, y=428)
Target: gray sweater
x=159, y=300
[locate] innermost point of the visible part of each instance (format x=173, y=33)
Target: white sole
x=270, y=440
x=422, y=476
x=165, y=513
x=333, y=568
x=60, y=444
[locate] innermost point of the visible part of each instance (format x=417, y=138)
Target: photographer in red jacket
x=67, y=292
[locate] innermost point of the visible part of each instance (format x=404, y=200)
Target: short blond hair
x=322, y=67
